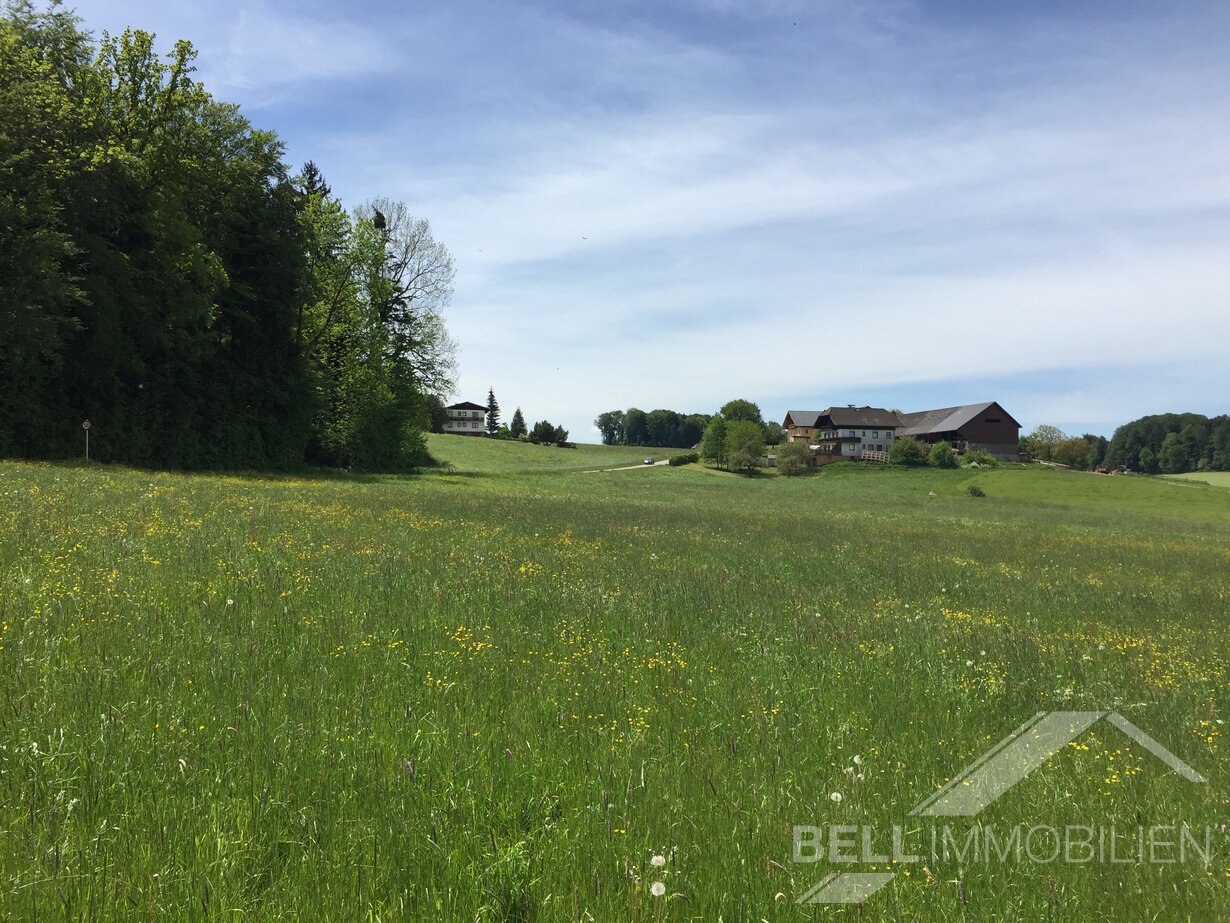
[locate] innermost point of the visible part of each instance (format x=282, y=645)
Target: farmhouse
x=850, y=431
x=984, y=426
x=465, y=419
x=800, y=425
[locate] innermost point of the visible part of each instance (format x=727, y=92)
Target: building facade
x=465, y=419
x=984, y=426
x=850, y=431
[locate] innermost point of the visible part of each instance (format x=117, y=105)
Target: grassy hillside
x=495, y=693
x=467, y=455
x=1212, y=478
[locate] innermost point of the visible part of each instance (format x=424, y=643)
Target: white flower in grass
x=657, y=889
x=835, y=797
x=858, y=760
x=658, y=861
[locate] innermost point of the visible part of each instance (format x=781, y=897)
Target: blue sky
x=658, y=204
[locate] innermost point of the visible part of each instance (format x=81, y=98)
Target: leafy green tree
x=1148, y=460
x=517, y=428
x=792, y=459
x=1042, y=440
x=636, y=427
x=42, y=121
x=744, y=445
x=611, y=426
x=742, y=410
x=561, y=437
x=713, y=442
x=493, y=413
x=1173, y=456
x=942, y=456
x=1075, y=452
x=773, y=434
x=907, y=450
x=437, y=413
x=1098, y=445
x=162, y=274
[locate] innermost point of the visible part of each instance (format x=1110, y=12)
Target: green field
x=497, y=690
x=1212, y=478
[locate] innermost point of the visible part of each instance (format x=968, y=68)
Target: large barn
x=972, y=426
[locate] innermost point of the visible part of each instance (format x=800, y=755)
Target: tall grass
x=478, y=694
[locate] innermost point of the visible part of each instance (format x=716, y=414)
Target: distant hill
x=1172, y=443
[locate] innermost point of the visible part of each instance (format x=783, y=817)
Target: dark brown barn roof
x=465, y=405
x=946, y=419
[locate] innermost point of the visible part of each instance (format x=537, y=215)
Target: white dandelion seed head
x=969, y=663
x=835, y=797
x=858, y=760
x=658, y=861
x=657, y=889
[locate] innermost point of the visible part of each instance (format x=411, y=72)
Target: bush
x=792, y=459
x=942, y=456
x=908, y=451
x=975, y=491
x=685, y=458
x=744, y=445
x=980, y=457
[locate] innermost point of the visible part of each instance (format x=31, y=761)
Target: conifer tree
x=493, y=413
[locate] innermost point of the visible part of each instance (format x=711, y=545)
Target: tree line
x=1172, y=443
x=164, y=275
x=1167, y=443
x=673, y=430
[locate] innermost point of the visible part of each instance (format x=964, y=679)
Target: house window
x=875, y=434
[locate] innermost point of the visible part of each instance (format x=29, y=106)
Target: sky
x=908, y=203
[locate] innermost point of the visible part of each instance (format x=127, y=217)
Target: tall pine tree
x=517, y=428
x=493, y=413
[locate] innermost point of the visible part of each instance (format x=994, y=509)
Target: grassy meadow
x=1212, y=478
x=497, y=690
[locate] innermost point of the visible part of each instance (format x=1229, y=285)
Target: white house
x=465, y=419
x=849, y=431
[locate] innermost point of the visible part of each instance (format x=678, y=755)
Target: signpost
x=86, y=426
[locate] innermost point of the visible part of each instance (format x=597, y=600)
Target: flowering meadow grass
x=505, y=692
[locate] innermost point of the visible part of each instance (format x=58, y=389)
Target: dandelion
x=658, y=861
x=969, y=663
x=835, y=797
x=858, y=760
x=657, y=889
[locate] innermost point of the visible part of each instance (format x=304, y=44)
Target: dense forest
x=166, y=276
x=1172, y=443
